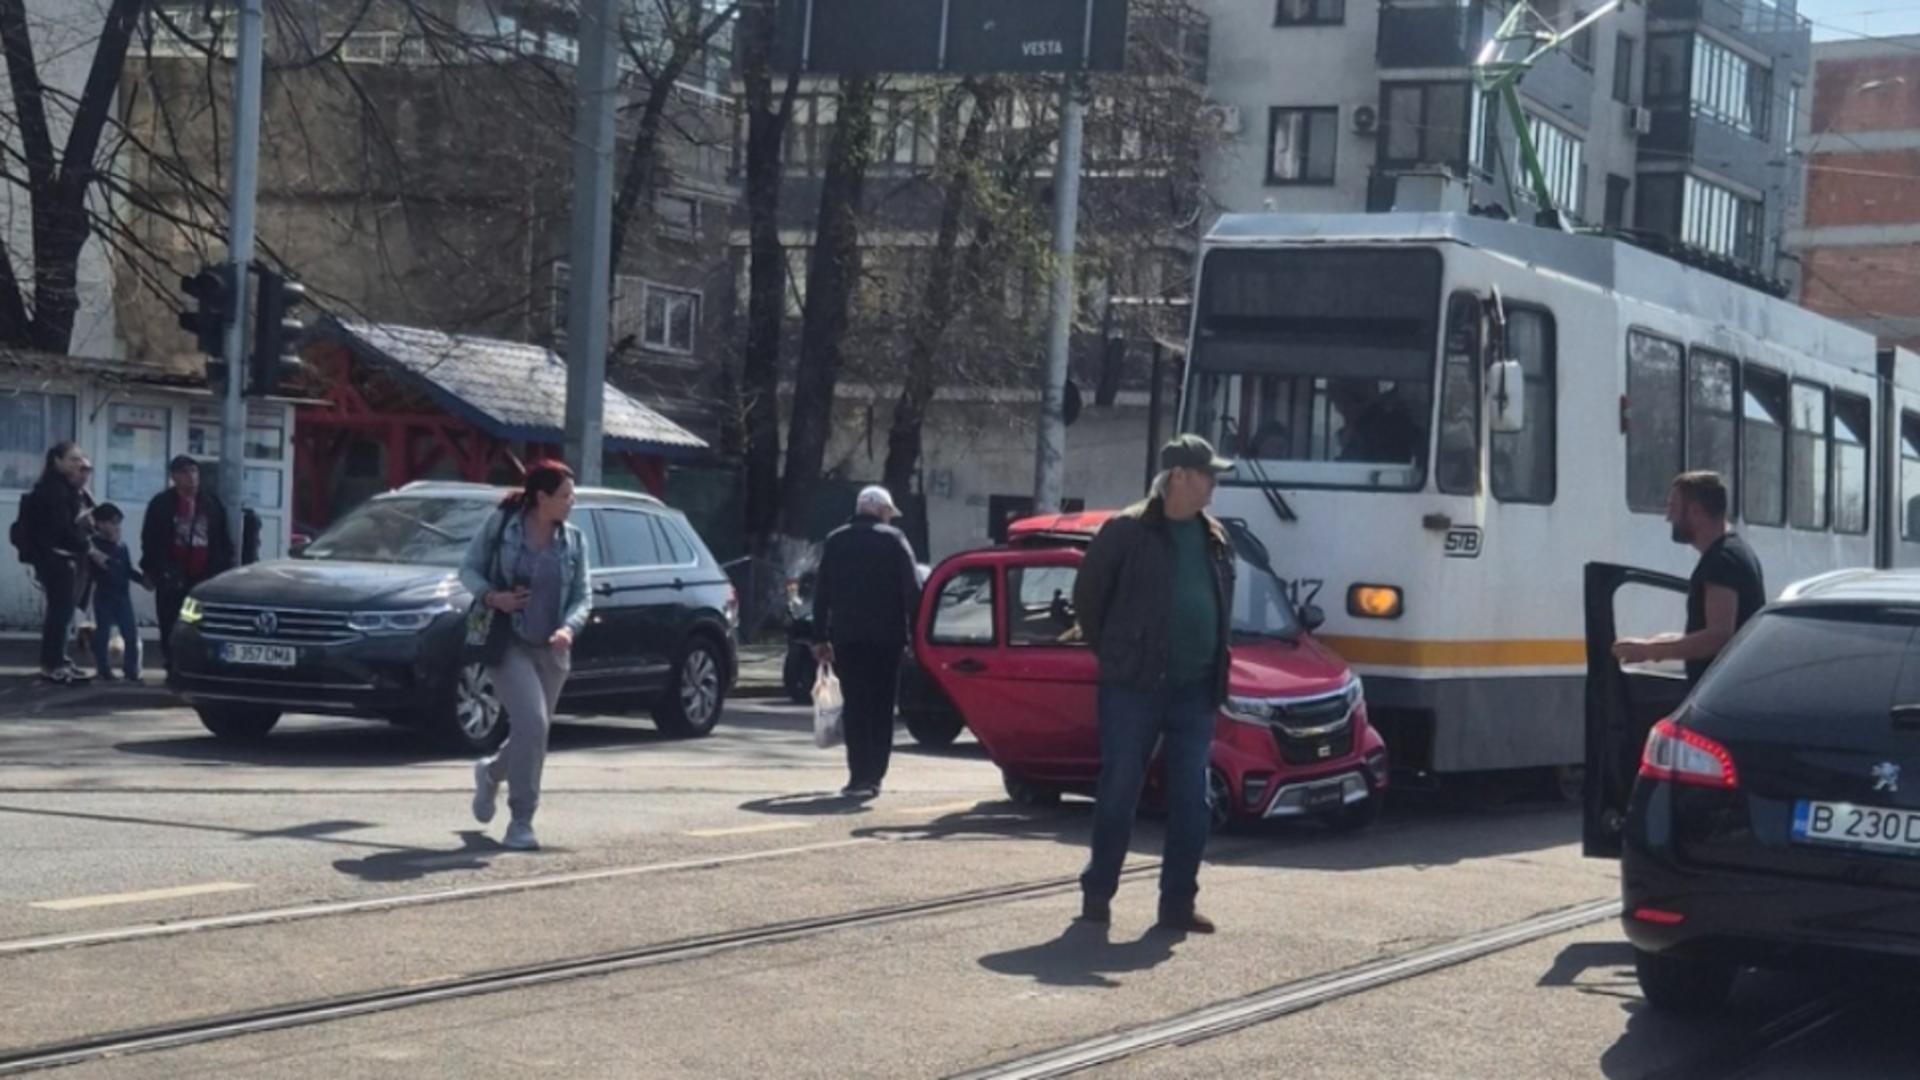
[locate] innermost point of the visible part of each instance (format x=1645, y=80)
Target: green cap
x=1193, y=452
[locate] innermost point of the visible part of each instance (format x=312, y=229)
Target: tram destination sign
x=962, y=37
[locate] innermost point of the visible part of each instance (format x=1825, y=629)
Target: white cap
x=874, y=500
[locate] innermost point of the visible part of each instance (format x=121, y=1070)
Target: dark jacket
x=866, y=591
x=117, y=578
x=156, y=538
x=1123, y=598
x=50, y=514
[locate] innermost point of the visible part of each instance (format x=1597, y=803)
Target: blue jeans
x=115, y=613
x=1131, y=723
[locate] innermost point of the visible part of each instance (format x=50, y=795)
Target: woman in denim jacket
x=536, y=576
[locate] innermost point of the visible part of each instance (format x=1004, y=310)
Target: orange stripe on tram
x=1397, y=652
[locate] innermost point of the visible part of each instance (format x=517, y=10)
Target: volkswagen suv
x=369, y=619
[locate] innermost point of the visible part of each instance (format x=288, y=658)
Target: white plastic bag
x=827, y=706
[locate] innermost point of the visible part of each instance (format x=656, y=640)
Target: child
x=113, y=594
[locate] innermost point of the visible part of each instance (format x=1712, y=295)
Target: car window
x=404, y=529
x=1829, y=666
x=963, y=614
x=631, y=539
x=1041, y=607
x=672, y=544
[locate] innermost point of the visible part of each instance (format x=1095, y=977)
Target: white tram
x=1440, y=419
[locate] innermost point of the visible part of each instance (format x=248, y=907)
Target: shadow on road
x=1083, y=956
x=808, y=804
x=411, y=864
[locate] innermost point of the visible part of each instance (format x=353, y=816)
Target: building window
x=1618, y=188
x=1426, y=124
x=1623, y=69
x=1729, y=88
x=1310, y=12
x=1523, y=461
x=1667, y=59
x=1852, y=434
x=1712, y=424
x=1763, y=437
x=672, y=316
x=1581, y=47
x=29, y=423
x=1716, y=220
x=677, y=214
x=1658, y=206
x=1562, y=160
x=1807, y=458
x=1793, y=113
x=1300, y=145
x=1653, y=420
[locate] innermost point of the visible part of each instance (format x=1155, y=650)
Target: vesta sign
x=958, y=36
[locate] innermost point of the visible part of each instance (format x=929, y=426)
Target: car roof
x=1058, y=528
x=1858, y=586
x=456, y=489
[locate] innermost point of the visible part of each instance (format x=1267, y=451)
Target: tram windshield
x=1319, y=363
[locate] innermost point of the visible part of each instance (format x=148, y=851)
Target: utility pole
x=1050, y=456
x=597, y=81
x=246, y=165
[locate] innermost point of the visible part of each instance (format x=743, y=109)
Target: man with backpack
x=49, y=537
x=183, y=542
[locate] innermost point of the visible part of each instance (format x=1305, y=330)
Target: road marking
x=386, y=903
x=79, y=902
x=743, y=830
x=931, y=811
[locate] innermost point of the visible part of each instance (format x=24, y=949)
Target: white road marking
x=933, y=811
x=80, y=902
x=742, y=830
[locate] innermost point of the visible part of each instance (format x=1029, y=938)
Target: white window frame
x=671, y=296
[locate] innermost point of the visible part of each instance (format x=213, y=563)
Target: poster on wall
x=137, y=454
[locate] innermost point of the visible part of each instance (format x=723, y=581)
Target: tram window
x=1523, y=467
x=1653, y=420
x=1712, y=390
x=1852, y=434
x=1457, y=468
x=1910, y=476
x=1807, y=458
x=1763, y=429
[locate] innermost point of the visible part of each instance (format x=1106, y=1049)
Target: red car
x=997, y=651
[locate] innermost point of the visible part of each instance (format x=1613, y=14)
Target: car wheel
x=1219, y=800
x=473, y=721
x=1355, y=817
x=693, y=702
x=934, y=729
x=238, y=723
x=1677, y=983
x=1025, y=793
x=797, y=676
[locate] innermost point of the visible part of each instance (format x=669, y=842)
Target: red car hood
x=1274, y=669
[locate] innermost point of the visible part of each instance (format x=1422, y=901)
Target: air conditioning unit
x=1365, y=119
x=1639, y=120
x=1224, y=118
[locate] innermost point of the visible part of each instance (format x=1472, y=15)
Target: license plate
x=1847, y=825
x=1323, y=795
x=258, y=655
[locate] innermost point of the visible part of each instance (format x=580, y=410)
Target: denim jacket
x=481, y=578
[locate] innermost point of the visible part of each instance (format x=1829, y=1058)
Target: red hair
x=544, y=477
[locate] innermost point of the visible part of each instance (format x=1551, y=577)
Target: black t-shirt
x=1729, y=563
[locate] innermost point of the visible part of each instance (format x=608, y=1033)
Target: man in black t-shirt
x=1727, y=588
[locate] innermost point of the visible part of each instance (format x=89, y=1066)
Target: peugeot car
x=369, y=620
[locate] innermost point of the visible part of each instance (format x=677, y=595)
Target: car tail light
x=733, y=607
x=1687, y=757
x=1659, y=917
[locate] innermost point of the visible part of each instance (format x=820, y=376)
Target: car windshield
x=402, y=529
x=1262, y=607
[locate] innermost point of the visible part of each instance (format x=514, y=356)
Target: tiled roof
x=505, y=388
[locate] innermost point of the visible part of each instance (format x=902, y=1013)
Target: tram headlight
x=1375, y=602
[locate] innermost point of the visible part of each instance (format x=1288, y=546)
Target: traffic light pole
x=1051, y=449
x=246, y=161
x=590, y=260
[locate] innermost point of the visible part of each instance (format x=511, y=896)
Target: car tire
x=1687, y=985
x=697, y=695
x=1027, y=793
x=1352, y=819
x=1220, y=815
x=935, y=730
x=471, y=720
x=238, y=723
x=797, y=676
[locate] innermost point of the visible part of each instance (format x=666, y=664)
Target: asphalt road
x=322, y=904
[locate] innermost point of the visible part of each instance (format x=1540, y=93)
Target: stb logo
x=267, y=623
x=1886, y=777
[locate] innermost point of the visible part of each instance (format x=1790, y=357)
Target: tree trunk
x=917, y=389
x=833, y=276
x=767, y=118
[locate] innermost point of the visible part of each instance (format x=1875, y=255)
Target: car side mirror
x=1506, y=396
x=1312, y=617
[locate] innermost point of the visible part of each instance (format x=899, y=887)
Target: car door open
x=1623, y=703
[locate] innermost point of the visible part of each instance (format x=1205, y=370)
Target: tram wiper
x=1275, y=501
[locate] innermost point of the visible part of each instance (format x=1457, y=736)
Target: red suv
x=997, y=650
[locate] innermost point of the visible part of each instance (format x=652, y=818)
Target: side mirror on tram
x=1312, y=617
x=1506, y=395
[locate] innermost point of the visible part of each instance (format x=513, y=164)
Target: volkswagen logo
x=267, y=622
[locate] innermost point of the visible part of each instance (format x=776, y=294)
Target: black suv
x=368, y=620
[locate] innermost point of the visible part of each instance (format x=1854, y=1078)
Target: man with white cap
x=865, y=595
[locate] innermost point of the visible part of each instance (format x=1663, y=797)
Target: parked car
x=998, y=651
x=369, y=620
x=1766, y=818
x=798, y=670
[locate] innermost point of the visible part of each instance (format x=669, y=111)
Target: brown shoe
x=1185, y=922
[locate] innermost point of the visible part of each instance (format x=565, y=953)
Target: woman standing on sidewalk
x=530, y=566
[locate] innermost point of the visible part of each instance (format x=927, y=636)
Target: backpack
x=21, y=535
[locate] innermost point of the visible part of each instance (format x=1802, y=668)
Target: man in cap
x=184, y=540
x=865, y=595
x=1155, y=600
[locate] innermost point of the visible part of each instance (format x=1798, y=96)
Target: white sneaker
x=486, y=791
x=520, y=837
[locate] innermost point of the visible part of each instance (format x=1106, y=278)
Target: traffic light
x=213, y=289
x=274, y=333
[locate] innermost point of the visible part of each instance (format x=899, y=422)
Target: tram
x=1439, y=419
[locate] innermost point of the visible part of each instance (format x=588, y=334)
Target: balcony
x=1680, y=133
x=1765, y=25
x=1430, y=35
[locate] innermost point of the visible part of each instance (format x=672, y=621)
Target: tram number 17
x=1302, y=591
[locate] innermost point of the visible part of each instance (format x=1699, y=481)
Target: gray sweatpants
x=527, y=680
